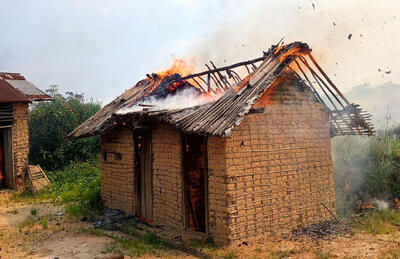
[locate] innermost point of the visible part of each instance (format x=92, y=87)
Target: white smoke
x=381, y=204
x=183, y=99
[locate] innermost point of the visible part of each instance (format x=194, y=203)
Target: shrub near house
x=49, y=124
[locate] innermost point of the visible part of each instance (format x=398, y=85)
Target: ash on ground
x=113, y=219
x=110, y=219
x=325, y=230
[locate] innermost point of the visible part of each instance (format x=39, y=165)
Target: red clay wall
x=117, y=170
x=279, y=165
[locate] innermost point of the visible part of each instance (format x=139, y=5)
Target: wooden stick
x=227, y=67
x=328, y=79
x=226, y=82
x=333, y=215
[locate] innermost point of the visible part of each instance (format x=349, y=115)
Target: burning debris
x=220, y=97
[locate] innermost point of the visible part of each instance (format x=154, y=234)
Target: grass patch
x=111, y=248
x=77, y=186
x=230, y=255
x=324, y=255
x=15, y=212
x=282, y=254
x=34, y=211
x=391, y=253
x=200, y=244
x=27, y=222
x=44, y=222
x=134, y=244
x=379, y=222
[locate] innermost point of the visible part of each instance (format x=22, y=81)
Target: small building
x=16, y=93
x=256, y=159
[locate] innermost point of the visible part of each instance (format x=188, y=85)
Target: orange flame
x=397, y=203
x=291, y=52
x=181, y=67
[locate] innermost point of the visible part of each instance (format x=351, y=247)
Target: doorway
x=143, y=176
x=195, y=182
x=6, y=161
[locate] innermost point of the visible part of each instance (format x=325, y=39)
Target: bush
x=350, y=156
x=49, y=124
x=78, y=185
x=379, y=221
x=365, y=169
x=383, y=172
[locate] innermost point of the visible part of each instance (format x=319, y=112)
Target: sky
x=103, y=47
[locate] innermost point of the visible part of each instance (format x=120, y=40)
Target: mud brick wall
x=279, y=165
x=167, y=177
x=20, y=139
x=117, y=169
x=218, y=201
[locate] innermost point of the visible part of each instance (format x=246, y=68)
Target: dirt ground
x=44, y=231
x=23, y=235
x=357, y=246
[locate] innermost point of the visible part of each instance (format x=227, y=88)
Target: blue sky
x=103, y=47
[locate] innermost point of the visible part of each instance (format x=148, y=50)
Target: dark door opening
x=143, y=176
x=2, y=171
x=6, y=161
x=195, y=181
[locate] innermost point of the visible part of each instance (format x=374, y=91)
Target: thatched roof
x=220, y=116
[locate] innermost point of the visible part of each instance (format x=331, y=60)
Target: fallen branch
x=333, y=215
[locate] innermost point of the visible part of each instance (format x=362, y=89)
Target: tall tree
x=50, y=123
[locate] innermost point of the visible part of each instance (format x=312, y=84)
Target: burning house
x=15, y=95
x=246, y=152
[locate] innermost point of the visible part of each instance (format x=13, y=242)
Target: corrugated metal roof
x=13, y=76
x=9, y=94
x=28, y=89
x=21, y=86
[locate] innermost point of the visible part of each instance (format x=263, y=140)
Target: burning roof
x=231, y=96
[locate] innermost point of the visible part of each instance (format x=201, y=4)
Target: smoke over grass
x=366, y=170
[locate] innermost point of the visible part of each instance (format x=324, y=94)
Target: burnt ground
x=24, y=235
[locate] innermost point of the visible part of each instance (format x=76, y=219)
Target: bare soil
x=23, y=235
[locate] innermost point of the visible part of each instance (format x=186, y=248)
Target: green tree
x=49, y=124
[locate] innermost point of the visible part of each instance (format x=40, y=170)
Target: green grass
x=34, y=211
x=77, y=186
x=27, y=222
x=44, y=222
x=379, y=222
x=365, y=169
x=200, y=244
x=134, y=244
